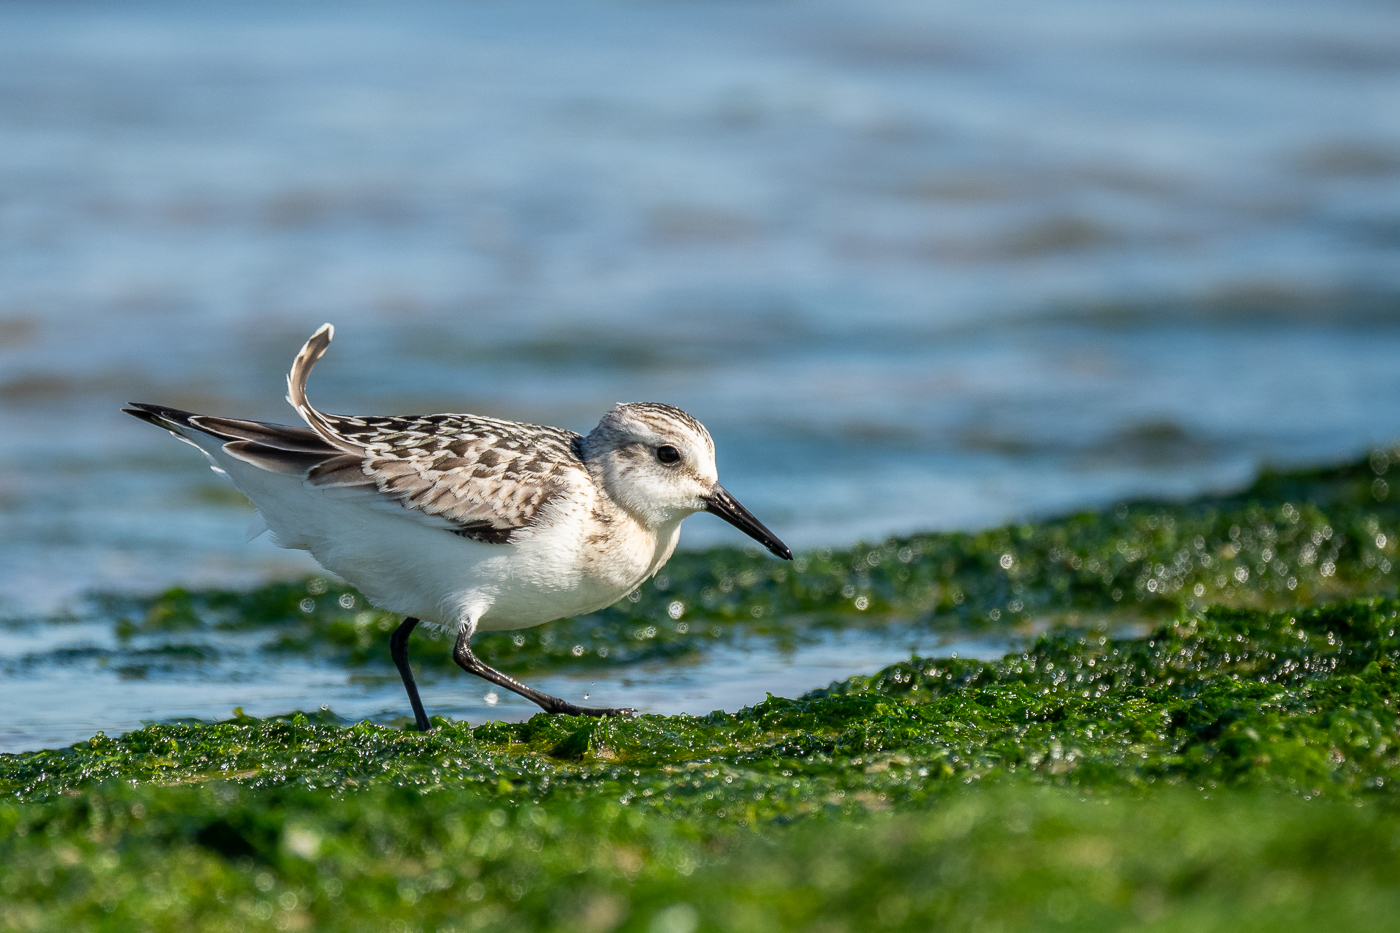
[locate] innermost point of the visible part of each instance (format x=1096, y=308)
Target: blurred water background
x=917, y=265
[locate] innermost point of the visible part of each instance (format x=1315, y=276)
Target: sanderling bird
x=470, y=523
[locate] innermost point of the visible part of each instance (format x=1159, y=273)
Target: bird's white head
x=654, y=460
x=658, y=462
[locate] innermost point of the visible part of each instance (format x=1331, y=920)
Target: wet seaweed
x=304, y=820
x=1235, y=766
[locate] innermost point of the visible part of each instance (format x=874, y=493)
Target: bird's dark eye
x=668, y=454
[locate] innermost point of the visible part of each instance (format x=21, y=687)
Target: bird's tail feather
x=171, y=419
x=278, y=436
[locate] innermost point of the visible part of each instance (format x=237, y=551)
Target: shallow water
x=60, y=684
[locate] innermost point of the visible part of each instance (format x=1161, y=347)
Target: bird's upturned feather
x=481, y=478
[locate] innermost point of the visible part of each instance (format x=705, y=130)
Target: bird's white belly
x=405, y=566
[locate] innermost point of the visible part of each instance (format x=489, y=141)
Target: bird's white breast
x=575, y=561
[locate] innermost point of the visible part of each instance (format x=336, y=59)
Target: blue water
x=916, y=265
x=60, y=684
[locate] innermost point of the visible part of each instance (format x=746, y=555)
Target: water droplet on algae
x=491, y=699
x=678, y=918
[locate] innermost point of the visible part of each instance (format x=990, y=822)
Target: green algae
x=1303, y=701
x=1011, y=857
x=1233, y=768
x=294, y=820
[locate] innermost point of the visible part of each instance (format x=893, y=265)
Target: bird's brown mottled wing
x=485, y=477
x=479, y=477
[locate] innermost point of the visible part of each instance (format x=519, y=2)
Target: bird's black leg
x=470, y=663
x=398, y=650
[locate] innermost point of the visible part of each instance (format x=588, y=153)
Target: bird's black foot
x=470, y=663
x=569, y=709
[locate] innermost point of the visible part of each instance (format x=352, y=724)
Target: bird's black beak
x=721, y=503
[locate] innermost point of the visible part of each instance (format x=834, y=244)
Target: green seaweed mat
x=1231, y=770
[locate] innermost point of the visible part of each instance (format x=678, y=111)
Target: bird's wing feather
x=484, y=475
x=306, y=358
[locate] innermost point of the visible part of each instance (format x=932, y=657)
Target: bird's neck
x=631, y=550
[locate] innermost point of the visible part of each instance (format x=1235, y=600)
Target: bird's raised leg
x=398, y=650
x=470, y=663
